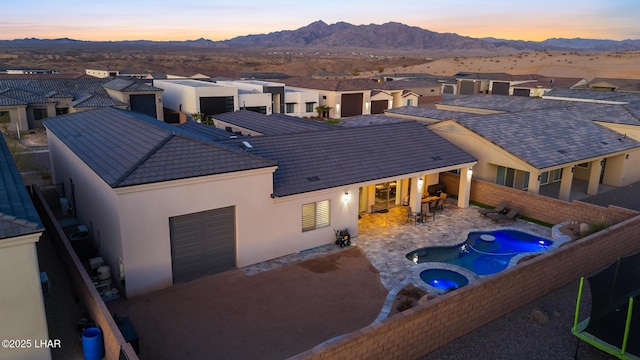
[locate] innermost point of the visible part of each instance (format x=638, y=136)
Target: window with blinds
x=315, y=215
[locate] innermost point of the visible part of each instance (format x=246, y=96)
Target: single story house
x=29, y=99
x=174, y=203
x=527, y=149
x=352, y=97
x=22, y=312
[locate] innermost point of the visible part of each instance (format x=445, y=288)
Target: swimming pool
x=484, y=252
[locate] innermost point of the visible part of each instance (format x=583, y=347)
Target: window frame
x=289, y=108
x=316, y=215
x=309, y=107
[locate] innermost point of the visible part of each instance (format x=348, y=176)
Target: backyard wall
x=425, y=328
x=536, y=206
x=115, y=346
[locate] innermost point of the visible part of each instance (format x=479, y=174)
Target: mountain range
x=342, y=35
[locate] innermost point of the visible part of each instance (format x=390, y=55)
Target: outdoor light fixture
x=470, y=171
x=627, y=157
x=420, y=182
x=346, y=197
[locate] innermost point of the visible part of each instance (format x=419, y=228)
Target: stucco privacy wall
x=538, y=207
x=425, y=328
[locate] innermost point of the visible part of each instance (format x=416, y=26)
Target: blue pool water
x=443, y=279
x=484, y=252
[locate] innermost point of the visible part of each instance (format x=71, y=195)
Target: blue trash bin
x=92, y=344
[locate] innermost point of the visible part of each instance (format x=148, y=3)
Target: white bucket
x=104, y=274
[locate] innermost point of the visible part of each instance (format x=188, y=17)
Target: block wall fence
x=420, y=330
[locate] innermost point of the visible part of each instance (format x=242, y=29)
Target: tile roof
x=366, y=120
x=24, y=96
x=18, y=215
x=126, y=85
x=609, y=113
x=426, y=113
x=126, y=148
x=7, y=101
x=352, y=155
x=79, y=88
x=603, y=112
x=92, y=101
x=502, y=102
x=549, y=137
x=270, y=124
x=209, y=132
x=593, y=95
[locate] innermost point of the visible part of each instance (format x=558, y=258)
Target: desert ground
x=186, y=61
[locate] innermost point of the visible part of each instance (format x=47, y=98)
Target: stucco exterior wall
x=249, y=100
x=132, y=223
x=17, y=117
x=487, y=154
x=125, y=97
x=626, y=130
x=95, y=203
x=184, y=94
x=265, y=228
x=22, y=314
x=301, y=98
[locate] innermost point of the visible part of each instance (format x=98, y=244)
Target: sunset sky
x=217, y=20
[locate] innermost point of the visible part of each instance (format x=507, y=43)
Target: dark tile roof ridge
x=190, y=134
x=142, y=160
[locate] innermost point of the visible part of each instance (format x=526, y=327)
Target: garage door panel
x=202, y=243
x=379, y=106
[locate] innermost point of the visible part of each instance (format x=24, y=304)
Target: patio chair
x=415, y=216
x=511, y=215
x=440, y=203
x=496, y=210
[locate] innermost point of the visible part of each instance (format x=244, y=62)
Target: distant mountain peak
x=388, y=36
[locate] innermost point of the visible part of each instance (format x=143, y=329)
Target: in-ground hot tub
x=443, y=279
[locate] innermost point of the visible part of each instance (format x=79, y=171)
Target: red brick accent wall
x=536, y=206
x=423, y=329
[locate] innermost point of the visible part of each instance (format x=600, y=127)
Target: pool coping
x=413, y=278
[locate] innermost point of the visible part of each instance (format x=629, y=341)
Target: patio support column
x=565, y=183
x=415, y=200
x=594, y=177
x=533, y=186
x=464, y=190
x=371, y=196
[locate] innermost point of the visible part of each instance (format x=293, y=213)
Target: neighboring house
x=610, y=84
x=352, y=97
x=112, y=73
x=174, y=203
x=527, y=149
x=532, y=85
x=22, y=312
x=29, y=99
x=195, y=96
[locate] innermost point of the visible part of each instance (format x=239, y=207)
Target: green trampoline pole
x=627, y=326
x=575, y=319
